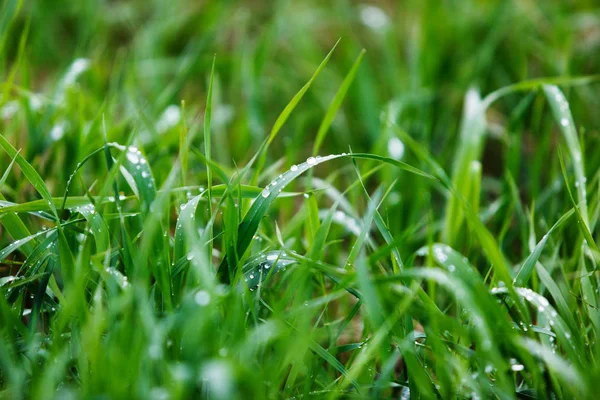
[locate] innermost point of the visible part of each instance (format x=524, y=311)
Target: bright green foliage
x=299, y=199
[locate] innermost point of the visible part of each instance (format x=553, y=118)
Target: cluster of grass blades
x=296, y=277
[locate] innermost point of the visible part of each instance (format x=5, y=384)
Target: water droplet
x=564, y=121
x=517, y=367
x=294, y=168
x=311, y=161
x=133, y=155
x=265, y=193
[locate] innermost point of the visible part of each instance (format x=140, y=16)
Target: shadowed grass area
x=299, y=199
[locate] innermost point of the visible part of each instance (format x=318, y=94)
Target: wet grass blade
x=471, y=139
x=207, y=135
x=251, y=221
x=31, y=174
x=562, y=114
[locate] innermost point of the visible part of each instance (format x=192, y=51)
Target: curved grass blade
x=251, y=221
x=74, y=173
x=384, y=230
x=15, y=245
x=557, y=324
x=566, y=371
x=467, y=297
x=97, y=225
x=31, y=174
x=562, y=114
x=452, y=260
x=11, y=282
x=246, y=191
x=331, y=360
x=11, y=221
x=556, y=294
x=140, y=179
x=336, y=103
x=457, y=265
x=43, y=206
x=527, y=269
x=282, y=118
x=259, y=267
x=187, y=213
x=583, y=225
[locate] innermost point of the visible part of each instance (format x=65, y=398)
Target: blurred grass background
x=422, y=56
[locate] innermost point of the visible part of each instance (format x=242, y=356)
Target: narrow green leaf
x=30, y=173
x=336, y=103
x=527, y=268
x=282, y=118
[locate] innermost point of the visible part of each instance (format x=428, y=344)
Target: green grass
x=299, y=199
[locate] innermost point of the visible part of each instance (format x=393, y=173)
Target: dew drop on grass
x=294, y=168
x=272, y=257
x=133, y=155
x=311, y=161
x=517, y=367
x=265, y=193
x=564, y=122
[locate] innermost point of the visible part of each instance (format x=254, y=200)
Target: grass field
x=285, y=199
